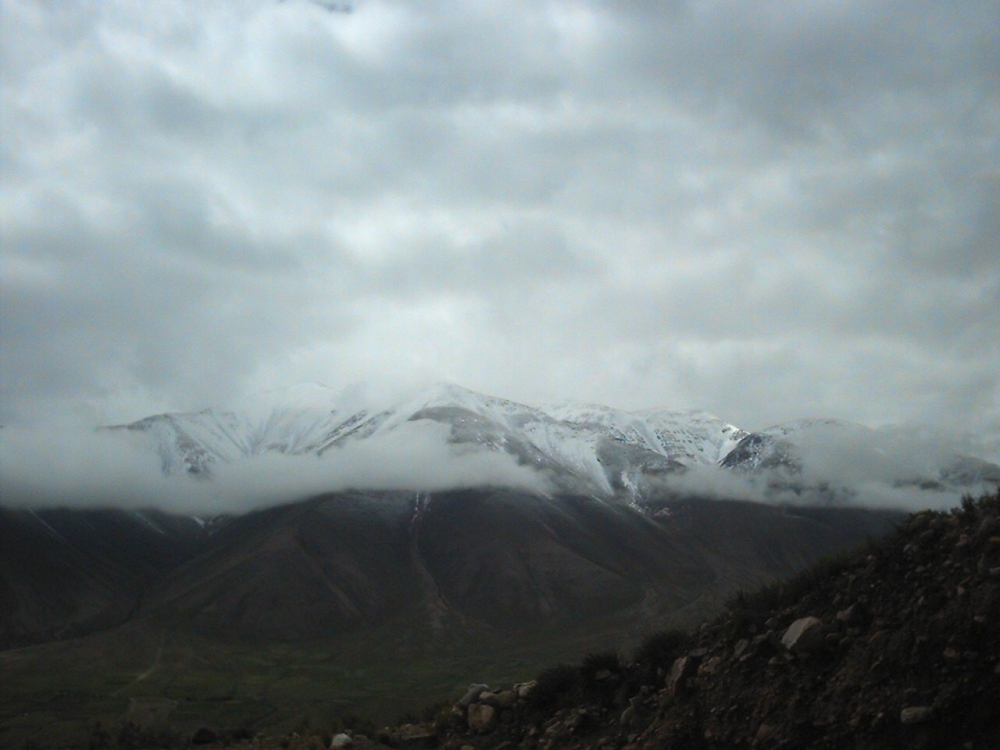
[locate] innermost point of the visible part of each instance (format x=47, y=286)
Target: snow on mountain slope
x=585, y=448
x=577, y=447
x=840, y=456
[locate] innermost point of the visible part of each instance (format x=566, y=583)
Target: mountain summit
x=593, y=449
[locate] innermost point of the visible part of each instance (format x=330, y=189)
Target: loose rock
x=804, y=636
x=472, y=694
x=482, y=717
x=916, y=715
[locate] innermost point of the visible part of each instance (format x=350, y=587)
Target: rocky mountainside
x=586, y=449
x=897, y=646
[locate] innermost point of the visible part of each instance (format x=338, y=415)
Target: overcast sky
x=768, y=210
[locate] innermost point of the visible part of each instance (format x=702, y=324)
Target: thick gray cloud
x=766, y=209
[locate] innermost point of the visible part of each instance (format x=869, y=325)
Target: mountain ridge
x=577, y=448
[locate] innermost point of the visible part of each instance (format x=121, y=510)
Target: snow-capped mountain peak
x=588, y=448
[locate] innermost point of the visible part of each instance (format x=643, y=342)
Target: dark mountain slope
x=518, y=560
x=499, y=559
x=64, y=573
x=373, y=602
x=306, y=570
x=509, y=559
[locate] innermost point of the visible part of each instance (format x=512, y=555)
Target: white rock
x=804, y=636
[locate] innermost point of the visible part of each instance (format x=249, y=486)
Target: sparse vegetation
x=658, y=650
x=751, y=609
x=555, y=686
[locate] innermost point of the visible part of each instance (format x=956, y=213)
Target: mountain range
x=583, y=449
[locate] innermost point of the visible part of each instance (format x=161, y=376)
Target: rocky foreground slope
x=895, y=647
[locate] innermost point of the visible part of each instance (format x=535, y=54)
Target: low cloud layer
x=774, y=488
x=66, y=467
x=67, y=464
x=840, y=463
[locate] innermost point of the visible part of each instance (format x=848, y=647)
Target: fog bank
x=71, y=463
x=69, y=466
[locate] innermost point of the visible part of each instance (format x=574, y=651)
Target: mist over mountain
x=290, y=444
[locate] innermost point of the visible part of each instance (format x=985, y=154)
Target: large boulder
x=413, y=733
x=506, y=699
x=683, y=669
x=472, y=694
x=482, y=717
x=523, y=689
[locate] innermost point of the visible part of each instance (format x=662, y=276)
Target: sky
x=768, y=210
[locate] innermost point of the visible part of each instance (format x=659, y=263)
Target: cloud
x=66, y=466
x=767, y=210
x=827, y=462
x=775, y=488
x=69, y=463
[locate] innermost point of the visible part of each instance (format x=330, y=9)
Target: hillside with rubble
x=897, y=646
